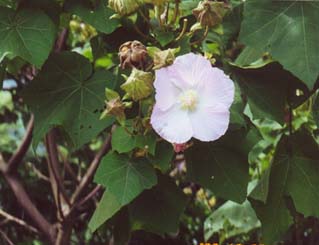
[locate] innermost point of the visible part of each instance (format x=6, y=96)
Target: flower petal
x=188, y=69
x=216, y=88
x=172, y=125
x=166, y=91
x=209, y=123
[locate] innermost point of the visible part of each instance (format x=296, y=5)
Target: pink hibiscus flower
x=192, y=100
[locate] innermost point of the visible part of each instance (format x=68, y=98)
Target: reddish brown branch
x=16, y=158
x=24, y=200
x=10, y=217
x=4, y=235
x=10, y=173
x=54, y=164
x=90, y=195
x=61, y=41
x=69, y=169
x=91, y=170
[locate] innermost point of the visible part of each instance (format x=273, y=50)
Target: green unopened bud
x=139, y=84
x=124, y=7
x=209, y=13
x=164, y=58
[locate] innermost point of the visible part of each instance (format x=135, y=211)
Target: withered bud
x=114, y=107
x=163, y=58
x=133, y=54
x=124, y=7
x=209, y=13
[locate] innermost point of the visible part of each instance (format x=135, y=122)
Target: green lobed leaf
x=125, y=178
x=163, y=156
x=97, y=16
x=122, y=227
x=232, y=219
x=51, y=8
x=219, y=167
x=266, y=99
x=288, y=31
x=250, y=58
x=107, y=207
x=124, y=141
x=268, y=91
x=237, y=109
x=70, y=96
x=231, y=23
x=164, y=37
x=294, y=173
x=260, y=192
x=240, y=217
x=158, y=210
x=27, y=33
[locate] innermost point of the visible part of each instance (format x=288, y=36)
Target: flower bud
x=164, y=58
x=124, y=7
x=133, y=54
x=178, y=148
x=210, y=13
x=139, y=84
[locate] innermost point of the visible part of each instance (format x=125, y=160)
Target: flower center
x=188, y=100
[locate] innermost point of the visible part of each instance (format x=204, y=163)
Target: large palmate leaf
x=65, y=93
x=159, y=209
x=51, y=8
x=237, y=109
x=156, y=210
x=288, y=30
x=97, y=16
x=125, y=178
x=107, y=207
x=240, y=218
x=232, y=219
x=27, y=33
x=124, y=141
x=269, y=89
x=220, y=166
x=294, y=173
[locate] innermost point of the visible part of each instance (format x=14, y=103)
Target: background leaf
x=158, y=210
x=124, y=141
x=125, y=178
x=220, y=168
x=293, y=173
x=286, y=29
x=106, y=208
x=97, y=16
x=68, y=95
x=27, y=33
